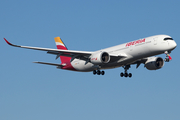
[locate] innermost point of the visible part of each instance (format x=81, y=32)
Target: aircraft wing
x=55, y=51
x=68, y=53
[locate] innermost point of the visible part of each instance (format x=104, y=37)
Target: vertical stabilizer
x=60, y=45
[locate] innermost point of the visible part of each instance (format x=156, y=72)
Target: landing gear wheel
x=122, y=74
x=98, y=72
x=126, y=75
x=94, y=72
x=130, y=75
x=102, y=73
x=166, y=60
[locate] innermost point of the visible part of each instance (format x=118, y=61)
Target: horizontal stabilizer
x=59, y=65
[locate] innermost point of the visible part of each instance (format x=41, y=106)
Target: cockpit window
x=168, y=38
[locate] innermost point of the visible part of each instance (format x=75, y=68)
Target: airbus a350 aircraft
x=123, y=55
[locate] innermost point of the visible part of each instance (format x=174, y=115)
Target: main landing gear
x=126, y=74
x=98, y=72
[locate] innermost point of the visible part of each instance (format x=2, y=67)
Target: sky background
x=30, y=91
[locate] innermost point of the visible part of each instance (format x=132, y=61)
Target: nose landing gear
x=126, y=74
x=168, y=57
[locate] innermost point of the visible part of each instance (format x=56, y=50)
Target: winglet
x=7, y=42
x=11, y=43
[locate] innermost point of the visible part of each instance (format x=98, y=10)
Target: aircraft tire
x=94, y=72
x=125, y=75
x=102, y=73
x=98, y=72
x=122, y=74
x=130, y=75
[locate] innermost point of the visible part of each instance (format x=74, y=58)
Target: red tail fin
x=61, y=45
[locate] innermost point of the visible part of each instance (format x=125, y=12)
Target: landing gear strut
x=98, y=72
x=168, y=57
x=126, y=74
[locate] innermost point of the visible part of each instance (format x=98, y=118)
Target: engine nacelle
x=154, y=63
x=100, y=58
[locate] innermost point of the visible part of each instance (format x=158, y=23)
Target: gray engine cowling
x=154, y=63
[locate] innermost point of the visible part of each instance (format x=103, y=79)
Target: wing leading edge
x=54, y=51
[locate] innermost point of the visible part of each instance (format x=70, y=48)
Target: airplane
x=141, y=51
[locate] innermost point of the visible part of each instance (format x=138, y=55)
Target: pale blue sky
x=31, y=91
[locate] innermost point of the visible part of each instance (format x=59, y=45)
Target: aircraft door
x=131, y=48
x=155, y=40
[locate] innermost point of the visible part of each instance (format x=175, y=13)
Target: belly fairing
x=82, y=65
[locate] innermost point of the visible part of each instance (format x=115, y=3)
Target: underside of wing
x=140, y=61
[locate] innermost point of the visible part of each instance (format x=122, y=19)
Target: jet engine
x=154, y=63
x=100, y=58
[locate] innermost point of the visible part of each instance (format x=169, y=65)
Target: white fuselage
x=133, y=51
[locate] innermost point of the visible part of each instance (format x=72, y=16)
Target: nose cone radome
x=172, y=44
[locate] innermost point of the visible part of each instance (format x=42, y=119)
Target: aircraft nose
x=173, y=44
